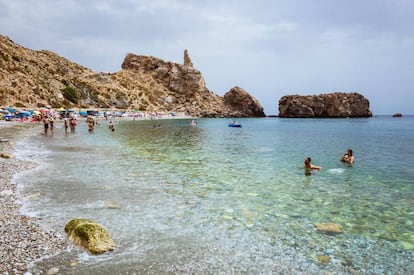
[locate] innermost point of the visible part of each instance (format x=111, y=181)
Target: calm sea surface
x=211, y=199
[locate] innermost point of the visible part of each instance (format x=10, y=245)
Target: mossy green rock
x=323, y=259
x=91, y=235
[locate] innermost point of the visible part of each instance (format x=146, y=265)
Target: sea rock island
x=332, y=105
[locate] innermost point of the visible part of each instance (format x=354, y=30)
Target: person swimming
x=309, y=166
x=348, y=157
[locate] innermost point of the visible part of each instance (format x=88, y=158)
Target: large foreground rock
x=90, y=235
x=335, y=105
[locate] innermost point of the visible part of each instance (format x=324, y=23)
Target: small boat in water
x=234, y=124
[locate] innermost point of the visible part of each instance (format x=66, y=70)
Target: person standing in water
x=45, y=123
x=308, y=165
x=66, y=126
x=52, y=126
x=348, y=157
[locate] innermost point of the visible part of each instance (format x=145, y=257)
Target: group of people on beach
x=48, y=123
x=347, y=157
x=72, y=123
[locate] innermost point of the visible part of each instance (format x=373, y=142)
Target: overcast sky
x=269, y=48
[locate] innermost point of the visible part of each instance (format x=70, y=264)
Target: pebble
x=22, y=239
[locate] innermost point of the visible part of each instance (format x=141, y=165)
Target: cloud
x=270, y=48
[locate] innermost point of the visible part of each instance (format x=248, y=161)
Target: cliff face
x=335, y=105
x=242, y=103
x=41, y=78
x=179, y=86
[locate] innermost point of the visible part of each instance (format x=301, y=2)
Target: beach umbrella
x=23, y=114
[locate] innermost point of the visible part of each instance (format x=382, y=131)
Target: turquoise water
x=213, y=199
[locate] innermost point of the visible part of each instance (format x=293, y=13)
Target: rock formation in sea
x=30, y=79
x=332, y=105
x=242, y=104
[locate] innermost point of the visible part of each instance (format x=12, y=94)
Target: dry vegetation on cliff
x=30, y=79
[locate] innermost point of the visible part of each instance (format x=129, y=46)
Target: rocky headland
x=332, y=105
x=34, y=79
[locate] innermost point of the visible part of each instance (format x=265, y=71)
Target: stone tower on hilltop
x=187, y=60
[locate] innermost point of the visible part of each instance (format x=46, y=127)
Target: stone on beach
x=329, y=228
x=5, y=156
x=90, y=235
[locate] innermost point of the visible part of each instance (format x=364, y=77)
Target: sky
x=269, y=48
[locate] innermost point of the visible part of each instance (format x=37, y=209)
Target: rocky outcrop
x=180, y=85
x=243, y=104
x=42, y=78
x=333, y=105
x=187, y=59
x=90, y=235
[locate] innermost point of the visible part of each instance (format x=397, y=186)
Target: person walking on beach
x=348, y=157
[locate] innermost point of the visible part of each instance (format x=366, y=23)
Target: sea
x=212, y=199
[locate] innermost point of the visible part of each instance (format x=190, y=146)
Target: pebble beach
x=22, y=239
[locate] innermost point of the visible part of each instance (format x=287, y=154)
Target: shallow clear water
x=213, y=199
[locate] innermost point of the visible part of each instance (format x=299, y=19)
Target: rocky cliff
x=31, y=79
x=242, y=104
x=335, y=105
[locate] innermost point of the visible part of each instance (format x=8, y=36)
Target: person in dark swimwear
x=66, y=126
x=45, y=123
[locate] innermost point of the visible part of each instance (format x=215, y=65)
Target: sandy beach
x=22, y=240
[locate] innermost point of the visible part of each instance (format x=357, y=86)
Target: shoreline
x=368, y=255
x=22, y=239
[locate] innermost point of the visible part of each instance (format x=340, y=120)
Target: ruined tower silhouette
x=187, y=60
